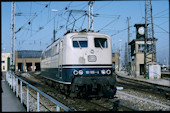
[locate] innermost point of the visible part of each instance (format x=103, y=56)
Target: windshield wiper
x=79, y=44
x=100, y=44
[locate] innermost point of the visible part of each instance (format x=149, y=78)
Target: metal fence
x=12, y=80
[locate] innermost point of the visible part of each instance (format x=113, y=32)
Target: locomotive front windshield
x=80, y=42
x=100, y=42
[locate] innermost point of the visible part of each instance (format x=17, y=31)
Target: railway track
x=143, y=86
x=89, y=104
x=102, y=104
x=117, y=105
x=165, y=75
x=74, y=103
x=146, y=100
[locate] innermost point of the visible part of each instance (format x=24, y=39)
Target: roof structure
x=29, y=54
x=142, y=39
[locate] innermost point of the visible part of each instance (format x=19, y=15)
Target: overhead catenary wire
x=55, y=16
x=109, y=23
x=42, y=27
x=21, y=14
x=104, y=5
x=105, y=15
x=29, y=22
x=162, y=16
x=60, y=24
x=161, y=12
x=31, y=19
x=30, y=12
x=161, y=28
x=47, y=23
x=119, y=31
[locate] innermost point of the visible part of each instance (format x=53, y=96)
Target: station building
x=5, y=62
x=115, y=61
x=27, y=60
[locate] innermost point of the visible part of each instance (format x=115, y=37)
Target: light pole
x=54, y=10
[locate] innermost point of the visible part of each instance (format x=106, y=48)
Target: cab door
x=60, y=61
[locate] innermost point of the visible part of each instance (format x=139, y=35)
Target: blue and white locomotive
x=81, y=63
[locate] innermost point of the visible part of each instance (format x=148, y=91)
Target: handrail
x=58, y=104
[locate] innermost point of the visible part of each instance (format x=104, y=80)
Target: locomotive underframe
x=103, y=86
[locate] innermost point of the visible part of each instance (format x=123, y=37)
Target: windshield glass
x=80, y=42
x=100, y=42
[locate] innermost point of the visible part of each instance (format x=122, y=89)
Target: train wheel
x=66, y=90
x=114, y=91
x=107, y=92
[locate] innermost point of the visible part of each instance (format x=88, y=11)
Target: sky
x=110, y=18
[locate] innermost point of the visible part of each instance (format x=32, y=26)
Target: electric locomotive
x=81, y=64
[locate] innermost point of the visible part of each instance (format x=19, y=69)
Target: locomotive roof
x=77, y=33
x=85, y=33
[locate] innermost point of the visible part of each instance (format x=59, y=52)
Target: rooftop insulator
x=84, y=30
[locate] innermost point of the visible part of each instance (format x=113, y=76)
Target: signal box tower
x=140, y=48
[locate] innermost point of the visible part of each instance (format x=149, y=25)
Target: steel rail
x=117, y=104
x=152, y=89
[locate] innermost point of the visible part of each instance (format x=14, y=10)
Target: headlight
x=80, y=72
x=108, y=71
x=75, y=72
x=103, y=72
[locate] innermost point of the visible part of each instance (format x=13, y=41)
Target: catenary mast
x=12, y=27
x=149, y=35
